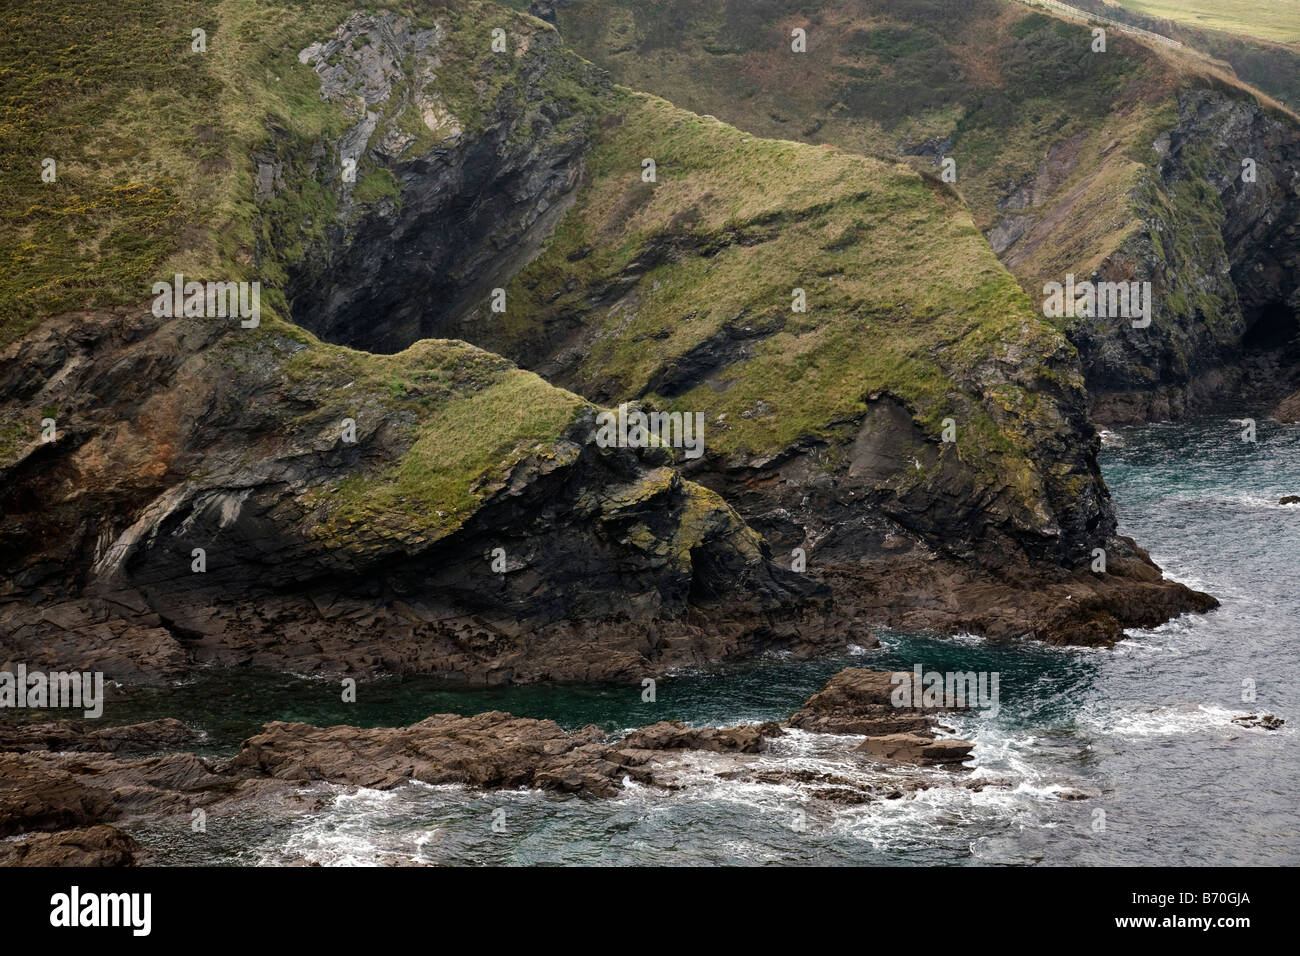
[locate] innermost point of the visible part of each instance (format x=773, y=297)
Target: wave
x=1165, y=721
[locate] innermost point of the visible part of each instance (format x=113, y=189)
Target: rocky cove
x=372, y=555
x=389, y=477
x=67, y=782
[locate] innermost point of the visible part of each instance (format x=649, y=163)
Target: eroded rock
x=859, y=701
x=100, y=845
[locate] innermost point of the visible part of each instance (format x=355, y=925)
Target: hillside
x=1123, y=165
x=371, y=493
x=1257, y=41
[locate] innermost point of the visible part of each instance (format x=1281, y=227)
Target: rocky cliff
x=1220, y=243
x=344, y=484
x=210, y=489
x=789, y=296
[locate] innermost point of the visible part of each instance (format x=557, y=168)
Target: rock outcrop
x=1220, y=245
x=473, y=197
x=71, y=790
x=183, y=489
x=1259, y=721
x=100, y=845
x=858, y=701
x=167, y=733
x=601, y=552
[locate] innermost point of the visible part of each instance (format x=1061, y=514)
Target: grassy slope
x=1277, y=20
x=1001, y=82
x=154, y=145
x=1271, y=65
x=903, y=294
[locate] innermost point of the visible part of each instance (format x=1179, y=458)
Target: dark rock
x=915, y=749
x=1259, y=721
x=1244, y=274
x=81, y=735
x=613, y=560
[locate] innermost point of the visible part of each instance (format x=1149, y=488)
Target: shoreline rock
x=77, y=799
x=858, y=701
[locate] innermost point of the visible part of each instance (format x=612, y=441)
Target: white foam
x=1166, y=721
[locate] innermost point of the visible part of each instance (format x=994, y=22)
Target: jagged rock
x=613, y=558
x=37, y=795
x=489, y=751
x=675, y=735
x=1288, y=410
x=1259, y=721
x=913, y=748
x=473, y=208
x=82, y=786
x=1289, y=500
x=1027, y=533
x=858, y=701
x=1242, y=274
x=329, y=555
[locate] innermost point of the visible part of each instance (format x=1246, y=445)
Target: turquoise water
x=1142, y=733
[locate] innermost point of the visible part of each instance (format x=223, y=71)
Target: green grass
x=903, y=294
x=1277, y=20
x=1000, y=82
x=461, y=453
x=155, y=144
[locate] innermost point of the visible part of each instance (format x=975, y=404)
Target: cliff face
x=467, y=196
x=216, y=492
x=383, y=500
x=1222, y=253
x=320, y=551
x=607, y=309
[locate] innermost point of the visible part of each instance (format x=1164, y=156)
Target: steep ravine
x=464, y=215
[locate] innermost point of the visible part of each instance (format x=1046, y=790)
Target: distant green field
x=1277, y=20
